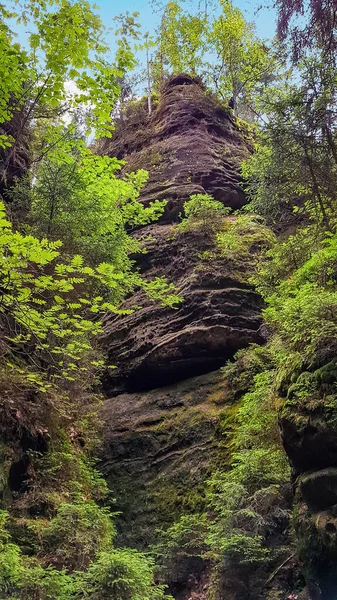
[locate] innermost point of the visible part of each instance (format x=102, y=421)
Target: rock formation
x=198, y=149
x=308, y=429
x=190, y=145
x=168, y=419
x=156, y=346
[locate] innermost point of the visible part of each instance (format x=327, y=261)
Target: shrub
x=122, y=574
x=201, y=211
x=78, y=531
x=184, y=540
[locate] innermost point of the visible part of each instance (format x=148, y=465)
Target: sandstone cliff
x=189, y=145
x=198, y=149
x=168, y=418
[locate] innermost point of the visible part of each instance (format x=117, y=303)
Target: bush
x=115, y=573
x=201, y=211
x=239, y=374
x=184, y=540
x=121, y=574
x=78, y=531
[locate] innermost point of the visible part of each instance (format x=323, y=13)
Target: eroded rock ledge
x=220, y=314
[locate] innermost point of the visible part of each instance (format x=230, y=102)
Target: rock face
x=309, y=431
x=197, y=149
x=160, y=447
x=167, y=417
x=190, y=145
x=220, y=314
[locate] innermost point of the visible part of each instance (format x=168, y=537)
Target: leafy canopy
x=65, y=45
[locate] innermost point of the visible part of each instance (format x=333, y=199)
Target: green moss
x=171, y=500
x=327, y=374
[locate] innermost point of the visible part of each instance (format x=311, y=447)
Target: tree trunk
x=149, y=103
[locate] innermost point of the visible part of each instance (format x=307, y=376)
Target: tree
x=51, y=305
x=179, y=43
x=242, y=62
x=80, y=198
x=237, y=64
x=294, y=168
x=307, y=25
x=201, y=211
x=66, y=44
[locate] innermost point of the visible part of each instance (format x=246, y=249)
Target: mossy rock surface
x=190, y=144
x=308, y=419
x=160, y=448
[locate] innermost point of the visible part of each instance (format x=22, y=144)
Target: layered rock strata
x=167, y=416
x=220, y=313
x=189, y=145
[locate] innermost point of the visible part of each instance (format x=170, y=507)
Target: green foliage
x=294, y=167
x=303, y=306
x=45, y=583
x=242, y=236
x=10, y=559
x=239, y=374
x=284, y=257
x=183, y=540
x=219, y=46
x=246, y=501
x=52, y=303
x=80, y=198
x=242, y=63
x=50, y=306
x=21, y=575
x=65, y=44
x=121, y=574
x=61, y=269
x=12, y=73
x=201, y=211
x=179, y=44
x=239, y=549
x=78, y=531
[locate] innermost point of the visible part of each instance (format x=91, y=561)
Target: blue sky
x=264, y=18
